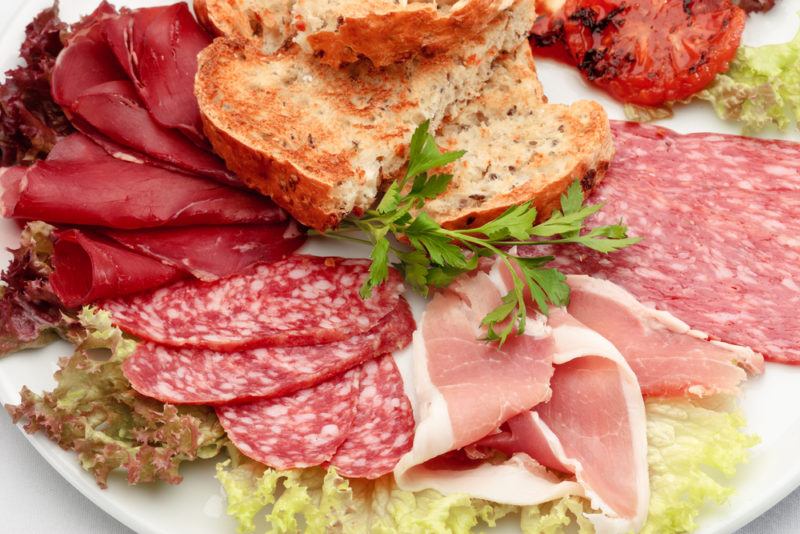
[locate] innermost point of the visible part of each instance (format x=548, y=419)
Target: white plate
x=197, y=505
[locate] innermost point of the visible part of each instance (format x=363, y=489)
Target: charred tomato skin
x=649, y=52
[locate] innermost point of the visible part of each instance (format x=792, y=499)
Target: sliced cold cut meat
x=720, y=218
x=302, y=300
x=300, y=430
x=105, y=191
x=383, y=428
x=212, y=252
x=203, y=376
x=88, y=268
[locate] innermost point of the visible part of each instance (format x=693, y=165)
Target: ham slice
x=668, y=357
x=466, y=388
x=105, y=191
x=87, y=268
x=593, y=426
x=212, y=252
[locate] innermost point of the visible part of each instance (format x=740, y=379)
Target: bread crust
x=394, y=36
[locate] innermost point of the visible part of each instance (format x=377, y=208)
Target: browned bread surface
x=320, y=140
x=519, y=148
x=267, y=23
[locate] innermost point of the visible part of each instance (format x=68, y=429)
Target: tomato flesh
x=649, y=52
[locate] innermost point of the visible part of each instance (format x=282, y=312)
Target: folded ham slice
x=466, y=388
x=105, y=191
x=88, y=268
x=668, y=357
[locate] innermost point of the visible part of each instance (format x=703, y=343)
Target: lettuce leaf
x=94, y=411
x=761, y=88
x=690, y=449
x=30, y=313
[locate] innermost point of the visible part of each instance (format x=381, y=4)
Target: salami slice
x=301, y=430
x=202, y=376
x=720, y=217
x=302, y=300
x=383, y=428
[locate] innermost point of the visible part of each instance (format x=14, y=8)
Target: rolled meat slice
x=212, y=252
x=104, y=191
x=88, y=268
x=191, y=375
x=300, y=430
x=302, y=300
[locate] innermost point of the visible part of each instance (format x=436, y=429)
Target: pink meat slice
x=666, y=355
x=512, y=377
x=82, y=65
x=203, y=376
x=302, y=300
x=383, y=428
x=720, y=217
x=212, y=252
x=77, y=148
x=301, y=430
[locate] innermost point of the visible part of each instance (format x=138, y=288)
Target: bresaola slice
x=302, y=300
x=383, y=427
x=88, y=268
x=203, y=376
x=212, y=252
x=719, y=218
x=668, y=357
x=104, y=191
x=301, y=430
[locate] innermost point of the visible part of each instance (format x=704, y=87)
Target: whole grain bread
x=388, y=31
x=519, y=147
x=320, y=140
x=267, y=23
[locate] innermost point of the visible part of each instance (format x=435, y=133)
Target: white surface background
x=35, y=499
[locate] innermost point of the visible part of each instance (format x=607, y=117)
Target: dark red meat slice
x=167, y=63
x=301, y=430
x=82, y=65
x=116, y=194
x=202, y=376
x=212, y=252
x=383, y=428
x=77, y=148
x=302, y=300
x=720, y=217
x=117, y=32
x=87, y=268
x=114, y=111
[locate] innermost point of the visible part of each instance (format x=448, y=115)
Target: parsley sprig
x=434, y=256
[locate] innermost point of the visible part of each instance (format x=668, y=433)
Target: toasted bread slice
x=388, y=31
x=267, y=23
x=519, y=148
x=319, y=140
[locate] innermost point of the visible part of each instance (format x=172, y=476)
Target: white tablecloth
x=34, y=499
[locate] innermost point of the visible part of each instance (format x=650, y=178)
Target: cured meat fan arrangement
x=383, y=332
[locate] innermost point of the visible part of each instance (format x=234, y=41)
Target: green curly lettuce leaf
x=94, y=411
x=761, y=88
x=691, y=450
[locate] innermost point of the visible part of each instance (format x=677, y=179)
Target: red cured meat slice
x=383, y=428
x=212, y=252
x=301, y=430
x=87, y=268
x=113, y=110
x=82, y=65
x=720, y=217
x=302, y=300
x=202, y=376
x=10, y=184
x=77, y=148
x=167, y=64
x=117, y=194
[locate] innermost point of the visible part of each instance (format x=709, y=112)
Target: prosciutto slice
x=212, y=252
x=105, y=191
x=467, y=388
x=668, y=357
x=593, y=426
x=87, y=268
